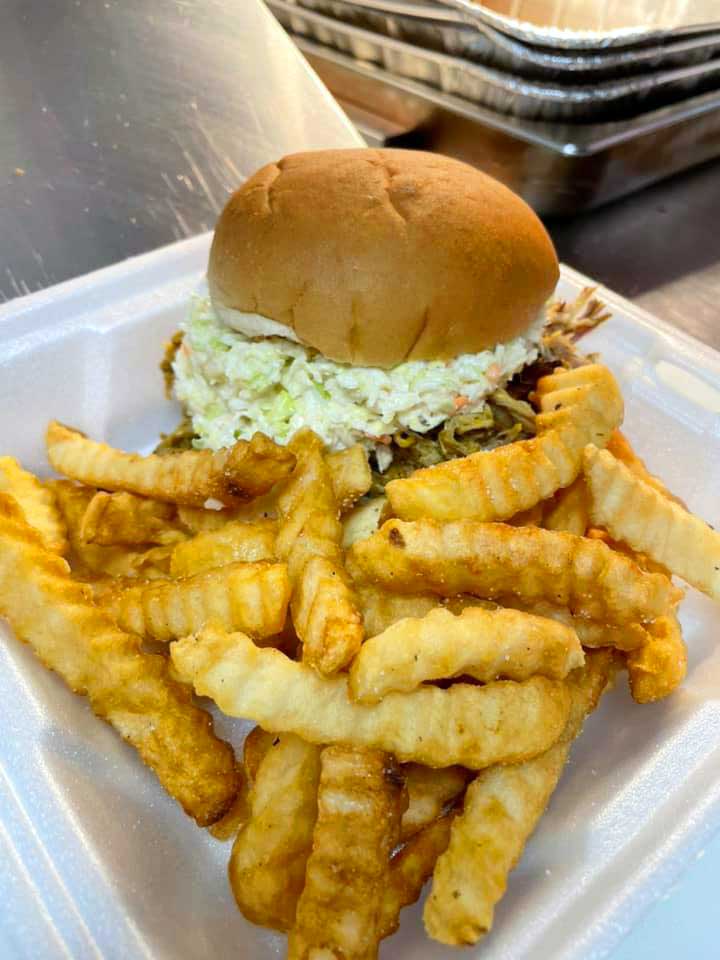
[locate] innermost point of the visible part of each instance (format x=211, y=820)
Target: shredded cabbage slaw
x=232, y=386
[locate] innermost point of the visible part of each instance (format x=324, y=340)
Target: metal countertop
x=124, y=125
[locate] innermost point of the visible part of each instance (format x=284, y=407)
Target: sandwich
x=397, y=299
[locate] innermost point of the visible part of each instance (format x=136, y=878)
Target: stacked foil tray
x=574, y=79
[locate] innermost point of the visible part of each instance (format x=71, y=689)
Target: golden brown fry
x=196, y=520
x=502, y=807
x=634, y=512
x=429, y=792
x=228, y=826
x=359, y=808
x=128, y=688
x=591, y=633
x=381, y=609
x=242, y=596
x=362, y=521
x=350, y=475
x=257, y=743
x=577, y=407
x=659, y=667
x=470, y=725
x=568, y=510
x=113, y=519
x=90, y=560
x=236, y=540
x=191, y=477
x=267, y=865
x=410, y=868
x=37, y=502
x=484, y=644
x=528, y=563
x=619, y=446
x=324, y=609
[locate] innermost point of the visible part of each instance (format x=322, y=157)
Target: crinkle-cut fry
x=466, y=724
x=634, y=512
x=114, y=519
x=410, y=867
x=252, y=597
x=429, y=792
x=359, y=806
x=91, y=560
x=237, y=540
x=641, y=559
x=568, y=510
x=196, y=520
x=577, y=407
x=350, y=475
x=484, y=644
x=130, y=689
x=37, y=502
x=228, y=826
x=381, y=609
x=591, y=633
x=270, y=853
x=495, y=560
x=659, y=667
x=621, y=448
x=502, y=808
x=256, y=745
x=231, y=476
x=324, y=608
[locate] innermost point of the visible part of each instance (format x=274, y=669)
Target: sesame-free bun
x=374, y=257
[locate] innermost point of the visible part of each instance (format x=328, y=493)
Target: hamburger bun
x=375, y=257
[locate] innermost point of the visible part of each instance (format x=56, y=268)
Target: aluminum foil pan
x=435, y=28
x=592, y=24
x=495, y=89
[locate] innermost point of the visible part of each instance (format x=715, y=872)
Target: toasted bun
x=379, y=256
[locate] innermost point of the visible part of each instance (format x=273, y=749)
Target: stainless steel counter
x=124, y=125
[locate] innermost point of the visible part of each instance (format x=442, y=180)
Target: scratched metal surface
x=125, y=123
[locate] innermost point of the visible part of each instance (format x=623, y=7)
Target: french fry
x=257, y=743
x=350, y=475
x=37, y=502
x=591, y=633
x=469, y=725
x=236, y=540
x=429, y=792
x=577, y=407
x=568, y=509
x=381, y=609
x=484, y=644
x=113, y=519
x=359, y=808
x=621, y=448
x=324, y=609
x=633, y=511
x=128, y=688
x=410, y=868
x=242, y=596
x=659, y=667
x=495, y=560
x=267, y=865
x=362, y=520
x=228, y=826
x=195, y=520
x=501, y=810
x=90, y=560
x=191, y=477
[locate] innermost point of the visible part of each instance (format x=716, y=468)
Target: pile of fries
x=416, y=687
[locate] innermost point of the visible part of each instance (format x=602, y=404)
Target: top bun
x=375, y=257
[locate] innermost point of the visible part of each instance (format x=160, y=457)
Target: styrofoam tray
x=98, y=862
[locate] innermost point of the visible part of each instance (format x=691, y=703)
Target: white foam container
x=96, y=861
